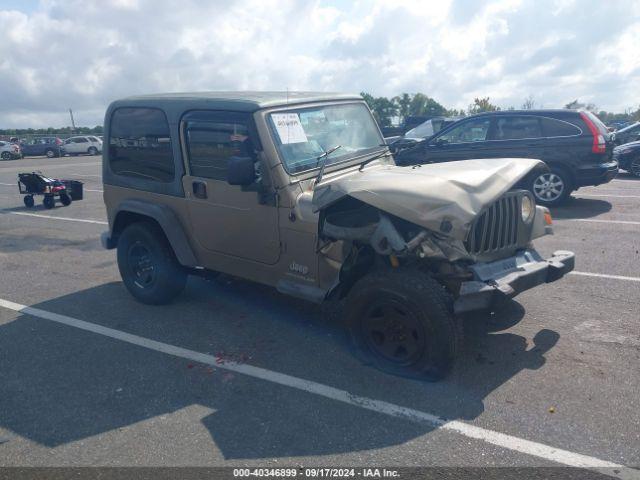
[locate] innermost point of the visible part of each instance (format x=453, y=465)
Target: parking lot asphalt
x=235, y=374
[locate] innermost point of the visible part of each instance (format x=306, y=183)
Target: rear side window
x=558, y=128
x=514, y=128
x=140, y=144
x=212, y=138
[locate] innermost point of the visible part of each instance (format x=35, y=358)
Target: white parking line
x=595, y=220
x=604, y=275
x=53, y=217
x=90, y=190
x=510, y=442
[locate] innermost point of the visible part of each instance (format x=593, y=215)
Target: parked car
x=9, y=151
x=627, y=134
x=49, y=146
x=83, y=145
x=424, y=131
x=295, y=191
x=628, y=157
x=574, y=144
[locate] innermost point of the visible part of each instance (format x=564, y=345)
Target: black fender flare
x=165, y=217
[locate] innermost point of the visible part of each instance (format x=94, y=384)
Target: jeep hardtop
x=297, y=190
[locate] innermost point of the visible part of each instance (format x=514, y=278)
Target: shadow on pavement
x=581, y=208
x=60, y=384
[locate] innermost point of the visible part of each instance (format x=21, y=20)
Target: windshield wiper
x=375, y=157
x=323, y=158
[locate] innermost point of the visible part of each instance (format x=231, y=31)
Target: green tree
x=381, y=107
x=480, y=105
x=403, y=103
x=422, y=104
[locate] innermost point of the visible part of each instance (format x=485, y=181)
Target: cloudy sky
x=82, y=54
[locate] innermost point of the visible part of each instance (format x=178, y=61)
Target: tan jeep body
x=288, y=232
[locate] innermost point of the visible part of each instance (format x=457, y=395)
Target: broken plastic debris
x=552, y=409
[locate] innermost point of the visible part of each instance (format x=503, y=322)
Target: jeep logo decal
x=295, y=267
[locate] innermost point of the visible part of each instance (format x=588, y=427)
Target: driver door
x=226, y=219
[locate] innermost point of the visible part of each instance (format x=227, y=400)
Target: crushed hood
x=429, y=194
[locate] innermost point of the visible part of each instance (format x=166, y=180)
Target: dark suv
x=49, y=146
x=575, y=145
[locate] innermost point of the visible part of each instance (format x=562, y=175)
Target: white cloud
x=83, y=54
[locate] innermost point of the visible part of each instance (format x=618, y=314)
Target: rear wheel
x=401, y=321
x=49, y=201
x=148, y=266
x=6, y=156
x=634, y=167
x=28, y=201
x=50, y=153
x=552, y=188
x=93, y=151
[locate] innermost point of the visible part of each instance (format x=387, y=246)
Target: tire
x=49, y=201
x=551, y=188
x=5, y=156
x=412, y=307
x=50, y=153
x=28, y=201
x=92, y=151
x=65, y=199
x=143, y=246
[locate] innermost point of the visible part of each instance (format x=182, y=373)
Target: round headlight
x=526, y=209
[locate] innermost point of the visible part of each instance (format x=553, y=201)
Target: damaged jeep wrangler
x=299, y=192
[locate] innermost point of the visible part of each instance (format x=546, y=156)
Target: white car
x=89, y=145
x=9, y=151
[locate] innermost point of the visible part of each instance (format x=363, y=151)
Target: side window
x=140, y=144
x=212, y=138
x=471, y=131
x=81, y=140
x=557, y=128
x=514, y=128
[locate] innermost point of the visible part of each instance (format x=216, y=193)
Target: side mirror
x=241, y=171
x=440, y=142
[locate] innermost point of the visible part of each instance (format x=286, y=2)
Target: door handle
x=199, y=189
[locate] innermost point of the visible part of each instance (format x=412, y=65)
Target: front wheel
x=634, y=167
x=92, y=151
x=5, y=156
x=49, y=201
x=50, y=153
x=28, y=201
x=148, y=266
x=552, y=188
x=402, y=322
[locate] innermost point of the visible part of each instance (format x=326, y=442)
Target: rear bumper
x=596, y=174
x=503, y=279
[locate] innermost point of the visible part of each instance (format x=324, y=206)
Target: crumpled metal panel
x=429, y=194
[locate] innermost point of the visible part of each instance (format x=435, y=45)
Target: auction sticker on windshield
x=289, y=128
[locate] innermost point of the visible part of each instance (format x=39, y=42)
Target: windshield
x=423, y=130
x=630, y=127
x=302, y=135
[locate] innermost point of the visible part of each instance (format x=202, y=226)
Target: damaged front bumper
x=496, y=281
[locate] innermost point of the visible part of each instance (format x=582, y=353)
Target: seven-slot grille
x=497, y=227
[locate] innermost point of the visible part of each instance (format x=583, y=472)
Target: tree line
x=418, y=104
x=17, y=132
